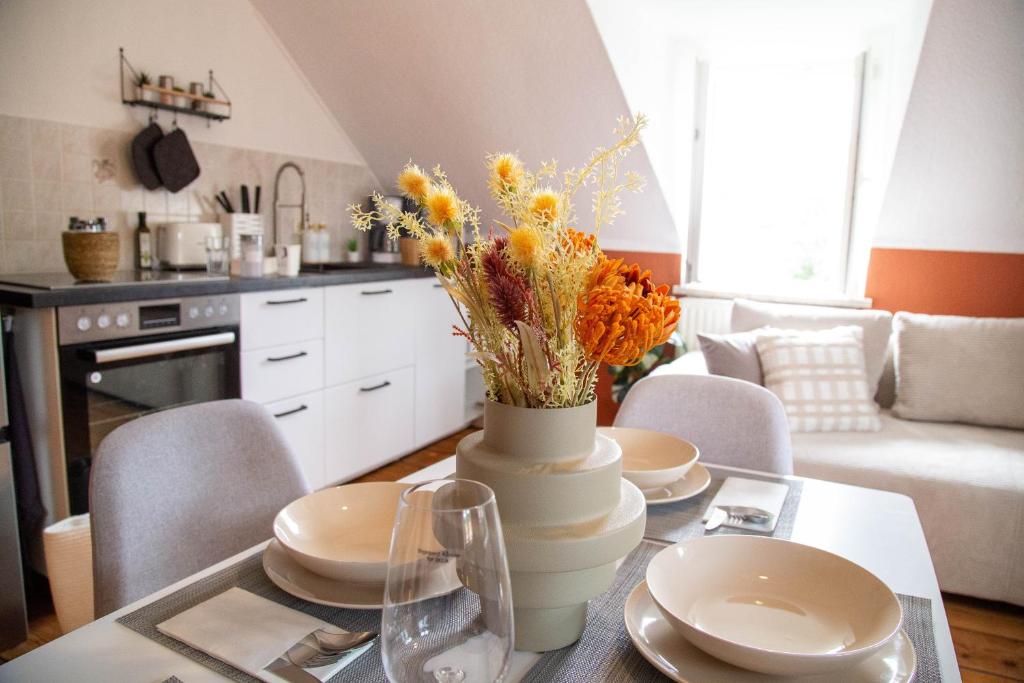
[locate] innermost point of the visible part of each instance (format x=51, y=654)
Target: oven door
x=106, y=384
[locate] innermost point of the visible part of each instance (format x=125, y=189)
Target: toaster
x=183, y=245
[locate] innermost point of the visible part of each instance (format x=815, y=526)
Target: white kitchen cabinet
x=281, y=371
x=282, y=316
x=301, y=419
x=440, y=364
x=368, y=422
x=368, y=329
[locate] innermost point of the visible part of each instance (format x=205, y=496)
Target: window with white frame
x=773, y=175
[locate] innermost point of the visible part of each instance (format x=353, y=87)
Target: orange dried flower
x=623, y=315
x=579, y=243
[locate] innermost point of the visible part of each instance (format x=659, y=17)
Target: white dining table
x=876, y=529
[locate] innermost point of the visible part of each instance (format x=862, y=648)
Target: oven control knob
x=193, y=312
x=103, y=322
x=223, y=309
x=83, y=324
x=208, y=311
x=123, y=319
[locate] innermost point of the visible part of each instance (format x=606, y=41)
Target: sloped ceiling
x=448, y=82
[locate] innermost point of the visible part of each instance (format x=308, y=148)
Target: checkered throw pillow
x=820, y=378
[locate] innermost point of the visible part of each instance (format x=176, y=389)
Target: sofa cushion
x=732, y=355
x=819, y=377
x=956, y=369
x=877, y=326
x=967, y=483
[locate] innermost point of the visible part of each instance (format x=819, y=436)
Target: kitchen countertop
x=31, y=291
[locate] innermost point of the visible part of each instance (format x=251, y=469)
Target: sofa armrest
x=690, y=363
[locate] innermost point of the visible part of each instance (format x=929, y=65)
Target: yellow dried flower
x=544, y=206
x=506, y=172
x=442, y=206
x=413, y=182
x=436, y=250
x=525, y=246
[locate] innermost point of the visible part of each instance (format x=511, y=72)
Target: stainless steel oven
x=124, y=360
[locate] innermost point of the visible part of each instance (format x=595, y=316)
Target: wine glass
x=447, y=601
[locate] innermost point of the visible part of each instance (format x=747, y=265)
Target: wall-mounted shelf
x=216, y=108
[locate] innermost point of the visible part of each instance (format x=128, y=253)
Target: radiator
x=700, y=315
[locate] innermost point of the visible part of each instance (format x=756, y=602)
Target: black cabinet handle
x=292, y=411
x=437, y=285
x=300, y=354
x=282, y=302
x=376, y=387
x=377, y=291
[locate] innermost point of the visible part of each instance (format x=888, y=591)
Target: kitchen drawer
x=282, y=371
x=367, y=423
x=301, y=419
x=280, y=317
x=369, y=328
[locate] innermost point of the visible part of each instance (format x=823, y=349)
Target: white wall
x=958, y=177
x=59, y=62
x=449, y=82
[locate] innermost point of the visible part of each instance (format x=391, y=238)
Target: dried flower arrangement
x=541, y=304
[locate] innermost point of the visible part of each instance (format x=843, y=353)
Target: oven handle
x=162, y=347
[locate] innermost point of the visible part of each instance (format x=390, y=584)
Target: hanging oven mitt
x=142, y=155
x=174, y=160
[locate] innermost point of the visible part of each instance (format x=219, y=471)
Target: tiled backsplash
x=50, y=171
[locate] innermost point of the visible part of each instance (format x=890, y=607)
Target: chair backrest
x=176, y=491
x=731, y=422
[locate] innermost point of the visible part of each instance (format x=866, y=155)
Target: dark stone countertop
x=15, y=292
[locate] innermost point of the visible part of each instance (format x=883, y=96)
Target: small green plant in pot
x=142, y=79
x=352, y=250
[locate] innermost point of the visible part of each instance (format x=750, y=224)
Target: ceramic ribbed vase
x=567, y=514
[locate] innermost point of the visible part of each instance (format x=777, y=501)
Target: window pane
x=776, y=169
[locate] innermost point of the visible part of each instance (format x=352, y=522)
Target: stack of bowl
x=342, y=533
x=770, y=606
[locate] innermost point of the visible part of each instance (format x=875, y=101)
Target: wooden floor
x=988, y=636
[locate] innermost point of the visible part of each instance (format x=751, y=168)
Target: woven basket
x=91, y=256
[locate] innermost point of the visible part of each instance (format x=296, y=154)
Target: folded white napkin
x=767, y=495
x=248, y=632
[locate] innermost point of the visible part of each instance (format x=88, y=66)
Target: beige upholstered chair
x=174, y=492
x=731, y=422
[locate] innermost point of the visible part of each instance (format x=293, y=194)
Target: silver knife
x=715, y=519
x=289, y=672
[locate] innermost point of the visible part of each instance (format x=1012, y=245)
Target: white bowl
x=773, y=606
x=343, y=532
x=652, y=459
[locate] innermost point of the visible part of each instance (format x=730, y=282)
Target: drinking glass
x=218, y=255
x=447, y=601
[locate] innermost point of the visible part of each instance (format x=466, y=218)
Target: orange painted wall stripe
x=968, y=283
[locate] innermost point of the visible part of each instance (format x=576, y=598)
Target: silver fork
x=319, y=648
x=735, y=515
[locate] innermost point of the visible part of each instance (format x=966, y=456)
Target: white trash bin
x=67, y=546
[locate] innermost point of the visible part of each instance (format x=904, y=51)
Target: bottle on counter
x=143, y=244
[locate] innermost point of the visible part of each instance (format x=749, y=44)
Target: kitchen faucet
x=277, y=205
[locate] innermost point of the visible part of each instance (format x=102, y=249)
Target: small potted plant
x=179, y=97
x=141, y=80
x=203, y=105
x=352, y=250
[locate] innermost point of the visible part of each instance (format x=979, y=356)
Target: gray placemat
x=674, y=522
x=249, y=575
x=605, y=651
x=917, y=622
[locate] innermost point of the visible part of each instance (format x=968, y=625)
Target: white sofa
x=966, y=481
